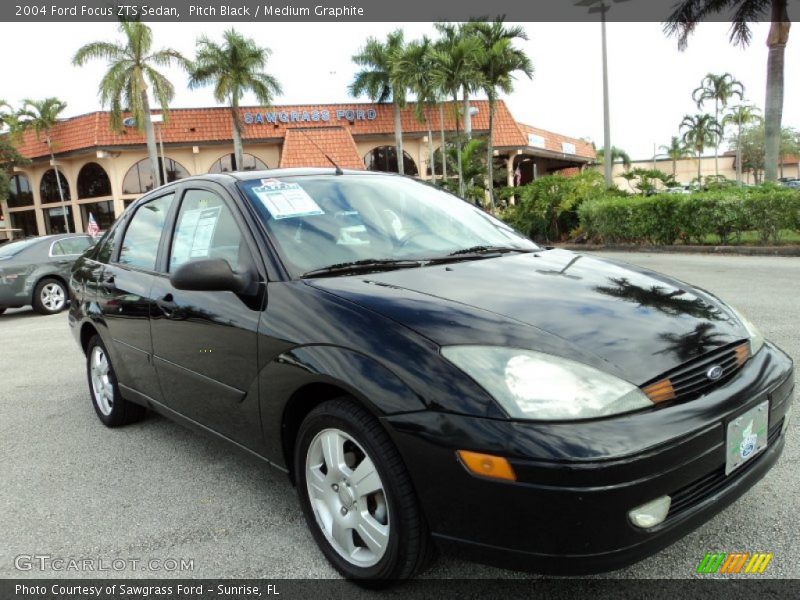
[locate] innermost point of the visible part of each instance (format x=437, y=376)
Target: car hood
x=632, y=322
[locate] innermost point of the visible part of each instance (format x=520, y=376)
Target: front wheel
x=49, y=297
x=111, y=408
x=357, y=497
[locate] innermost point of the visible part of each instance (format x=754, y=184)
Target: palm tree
x=675, y=151
x=688, y=13
x=413, y=70
x=234, y=68
x=455, y=66
x=378, y=80
x=42, y=116
x=617, y=154
x=498, y=62
x=720, y=89
x=699, y=131
x=741, y=116
x=131, y=66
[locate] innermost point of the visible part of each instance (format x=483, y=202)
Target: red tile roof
x=553, y=141
x=209, y=125
x=307, y=147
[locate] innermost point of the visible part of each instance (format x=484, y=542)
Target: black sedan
x=34, y=271
x=426, y=376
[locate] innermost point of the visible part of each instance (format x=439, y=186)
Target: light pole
x=600, y=6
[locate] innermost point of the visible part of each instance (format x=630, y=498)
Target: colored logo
x=749, y=440
x=734, y=563
x=714, y=373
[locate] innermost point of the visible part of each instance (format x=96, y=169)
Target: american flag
x=92, y=229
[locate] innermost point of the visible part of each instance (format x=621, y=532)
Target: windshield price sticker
x=284, y=200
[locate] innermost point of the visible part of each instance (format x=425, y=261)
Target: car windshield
x=13, y=248
x=320, y=221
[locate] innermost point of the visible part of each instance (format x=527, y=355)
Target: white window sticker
x=284, y=200
x=194, y=234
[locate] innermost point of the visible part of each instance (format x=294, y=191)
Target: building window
x=54, y=220
x=227, y=163
x=49, y=187
x=384, y=158
x=103, y=213
x=139, y=178
x=25, y=221
x=93, y=181
x=19, y=192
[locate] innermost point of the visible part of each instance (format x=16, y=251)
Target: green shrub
x=665, y=218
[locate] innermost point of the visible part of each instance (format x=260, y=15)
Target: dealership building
x=102, y=170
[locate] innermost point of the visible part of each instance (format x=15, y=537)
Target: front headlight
x=537, y=386
x=756, y=339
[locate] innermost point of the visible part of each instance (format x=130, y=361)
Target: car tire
x=49, y=296
x=111, y=408
x=339, y=516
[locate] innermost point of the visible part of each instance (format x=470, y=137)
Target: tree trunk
x=739, y=156
x=238, y=151
x=58, y=183
x=398, y=140
x=150, y=134
x=490, y=154
x=458, y=147
x=699, y=168
x=430, y=148
x=674, y=167
x=716, y=139
x=467, y=116
x=443, y=150
x=776, y=41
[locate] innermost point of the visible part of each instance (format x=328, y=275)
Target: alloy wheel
x=347, y=497
x=102, y=386
x=53, y=297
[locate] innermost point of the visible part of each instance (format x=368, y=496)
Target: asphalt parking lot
x=70, y=487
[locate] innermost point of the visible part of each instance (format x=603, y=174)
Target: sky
x=650, y=80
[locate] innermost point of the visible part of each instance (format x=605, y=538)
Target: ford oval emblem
x=714, y=373
x=129, y=122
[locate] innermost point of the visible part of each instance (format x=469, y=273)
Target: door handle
x=167, y=305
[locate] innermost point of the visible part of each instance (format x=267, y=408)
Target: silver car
x=35, y=271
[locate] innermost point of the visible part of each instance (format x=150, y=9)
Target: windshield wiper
x=363, y=266
x=490, y=250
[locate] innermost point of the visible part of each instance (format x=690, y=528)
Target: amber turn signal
x=742, y=354
x=660, y=391
x=487, y=465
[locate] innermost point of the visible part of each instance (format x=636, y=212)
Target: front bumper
x=567, y=513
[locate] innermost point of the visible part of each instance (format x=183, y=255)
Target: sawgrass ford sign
x=310, y=116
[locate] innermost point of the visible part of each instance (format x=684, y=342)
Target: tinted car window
x=57, y=249
x=205, y=229
x=140, y=243
x=75, y=245
x=317, y=221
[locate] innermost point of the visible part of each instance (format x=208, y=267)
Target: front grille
x=690, y=380
x=702, y=488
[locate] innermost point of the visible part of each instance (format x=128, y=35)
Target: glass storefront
x=227, y=163
x=25, y=220
x=139, y=178
x=48, y=189
x=19, y=192
x=103, y=213
x=54, y=220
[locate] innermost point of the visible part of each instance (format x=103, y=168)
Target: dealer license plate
x=747, y=436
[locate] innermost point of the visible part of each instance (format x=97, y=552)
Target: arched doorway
x=384, y=158
x=93, y=182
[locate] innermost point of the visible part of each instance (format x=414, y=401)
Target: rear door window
x=142, y=236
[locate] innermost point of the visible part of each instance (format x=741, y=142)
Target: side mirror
x=213, y=275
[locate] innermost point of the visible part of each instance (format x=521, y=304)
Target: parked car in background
x=791, y=183
x=35, y=271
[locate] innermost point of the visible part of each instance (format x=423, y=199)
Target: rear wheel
x=112, y=409
x=49, y=297
x=357, y=497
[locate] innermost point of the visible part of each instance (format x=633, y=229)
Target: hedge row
x=666, y=218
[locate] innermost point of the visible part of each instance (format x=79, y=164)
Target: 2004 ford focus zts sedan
x=426, y=376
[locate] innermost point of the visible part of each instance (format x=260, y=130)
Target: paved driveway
x=69, y=487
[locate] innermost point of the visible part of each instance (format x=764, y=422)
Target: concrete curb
x=792, y=250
